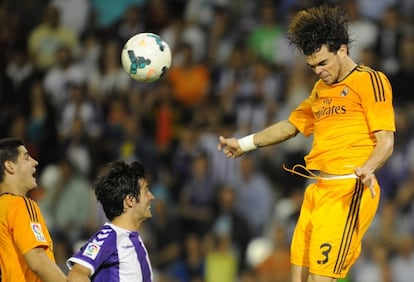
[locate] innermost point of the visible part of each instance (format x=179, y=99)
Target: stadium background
x=62, y=90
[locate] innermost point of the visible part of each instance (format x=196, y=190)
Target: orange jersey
x=343, y=118
x=22, y=228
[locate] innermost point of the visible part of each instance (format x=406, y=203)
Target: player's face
x=326, y=65
x=26, y=169
x=143, y=207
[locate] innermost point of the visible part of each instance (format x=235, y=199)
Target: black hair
x=321, y=25
x=8, y=152
x=117, y=181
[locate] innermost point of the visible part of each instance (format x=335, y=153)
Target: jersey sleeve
x=29, y=228
x=99, y=251
x=377, y=101
x=302, y=117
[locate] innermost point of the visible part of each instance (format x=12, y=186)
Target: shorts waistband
x=321, y=176
x=332, y=177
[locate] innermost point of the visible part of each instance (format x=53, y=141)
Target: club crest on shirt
x=37, y=231
x=344, y=92
x=91, y=250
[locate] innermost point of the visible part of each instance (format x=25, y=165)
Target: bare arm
x=79, y=273
x=273, y=134
x=380, y=154
x=42, y=266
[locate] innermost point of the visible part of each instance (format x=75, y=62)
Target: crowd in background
x=64, y=92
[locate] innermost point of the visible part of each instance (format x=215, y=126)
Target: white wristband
x=247, y=143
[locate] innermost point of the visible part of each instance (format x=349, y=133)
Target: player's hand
x=230, y=147
x=368, y=179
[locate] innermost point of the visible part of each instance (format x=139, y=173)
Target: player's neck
x=12, y=188
x=348, y=66
x=124, y=222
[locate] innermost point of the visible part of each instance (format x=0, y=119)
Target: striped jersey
x=22, y=228
x=114, y=254
x=343, y=118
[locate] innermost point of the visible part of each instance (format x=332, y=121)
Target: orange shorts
x=334, y=217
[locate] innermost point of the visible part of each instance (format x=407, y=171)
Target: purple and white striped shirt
x=114, y=254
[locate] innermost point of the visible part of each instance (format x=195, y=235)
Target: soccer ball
x=146, y=57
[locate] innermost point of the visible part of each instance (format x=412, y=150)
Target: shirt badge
x=38, y=232
x=344, y=92
x=91, y=250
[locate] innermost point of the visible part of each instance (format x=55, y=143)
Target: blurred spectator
x=79, y=106
x=65, y=72
x=42, y=125
x=373, y=9
x=191, y=266
x=197, y=198
x=286, y=211
x=257, y=99
x=91, y=51
x=400, y=165
x=49, y=35
x=165, y=118
x=268, y=35
x=17, y=127
x=193, y=35
x=74, y=14
x=171, y=33
x=369, y=57
x=69, y=202
x=389, y=39
x=130, y=24
x=116, y=113
x=363, y=31
x=25, y=13
x=276, y=267
x=76, y=147
x=202, y=12
x=182, y=156
x=221, y=37
x=221, y=260
x=405, y=204
x=402, y=264
x=190, y=81
x=373, y=263
x=107, y=13
x=254, y=196
x=158, y=12
x=165, y=230
x=223, y=170
x=19, y=75
x=229, y=227
x=401, y=80
x=62, y=249
x=229, y=78
x=108, y=78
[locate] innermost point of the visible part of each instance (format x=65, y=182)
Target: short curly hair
x=321, y=25
x=116, y=181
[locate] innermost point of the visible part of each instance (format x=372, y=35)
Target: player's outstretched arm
x=43, y=266
x=273, y=134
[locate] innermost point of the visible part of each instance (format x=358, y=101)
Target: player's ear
x=343, y=50
x=129, y=201
x=9, y=166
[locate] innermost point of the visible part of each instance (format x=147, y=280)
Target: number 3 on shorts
x=326, y=249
